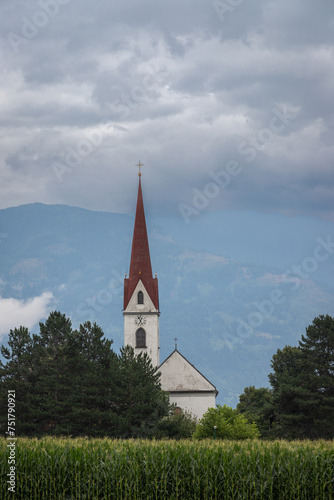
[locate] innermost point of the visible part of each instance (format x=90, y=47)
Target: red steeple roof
x=140, y=264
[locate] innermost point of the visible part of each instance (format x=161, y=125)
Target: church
x=188, y=389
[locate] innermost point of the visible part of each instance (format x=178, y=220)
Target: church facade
x=187, y=387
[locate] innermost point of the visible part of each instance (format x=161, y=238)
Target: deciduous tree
x=224, y=422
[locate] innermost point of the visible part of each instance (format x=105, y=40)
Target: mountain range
x=234, y=286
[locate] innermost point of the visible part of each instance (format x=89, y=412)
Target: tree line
x=300, y=402
x=71, y=382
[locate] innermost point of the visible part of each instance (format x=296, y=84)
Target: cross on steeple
x=141, y=297
x=139, y=165
x=176, y=339
x=140, y=263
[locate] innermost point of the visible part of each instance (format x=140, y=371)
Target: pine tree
x=256, y=405
x=303, y=383
x=16, y=375
x=139, y=402
x=94, y=377
x=288, y=392
x=72, y=383
x=53, y=385
x=317, y=350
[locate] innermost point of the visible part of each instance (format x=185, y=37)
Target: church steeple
x=141, y=298
x=140, y=263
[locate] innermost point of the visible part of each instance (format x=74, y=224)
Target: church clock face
x=140, y=320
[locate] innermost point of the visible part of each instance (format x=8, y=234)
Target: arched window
x=140, y=337
x=140, y=298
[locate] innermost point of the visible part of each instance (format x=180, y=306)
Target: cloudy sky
x=229, y=104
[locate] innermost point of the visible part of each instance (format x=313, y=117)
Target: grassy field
x=52, y=468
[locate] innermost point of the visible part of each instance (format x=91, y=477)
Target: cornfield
x=63, y=468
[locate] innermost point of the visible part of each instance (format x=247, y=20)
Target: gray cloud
x=181, y=86
x=21, y=312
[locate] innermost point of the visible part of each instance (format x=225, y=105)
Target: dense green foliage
x=71, y=382
x=317, y=352
x=301, y=401
x=256, y=406
x=140, y=402
x=303, y=384
x=225, y=423
x=177, y=426
x=53, y=468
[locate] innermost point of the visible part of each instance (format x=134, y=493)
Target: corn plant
x=64, y=468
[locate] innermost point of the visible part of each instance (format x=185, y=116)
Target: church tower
x=141, y=299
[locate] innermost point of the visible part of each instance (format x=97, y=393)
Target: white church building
x=187, y=387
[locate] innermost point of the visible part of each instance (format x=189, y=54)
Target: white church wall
x=195, y=403
x=178, y=375
x=186, y=386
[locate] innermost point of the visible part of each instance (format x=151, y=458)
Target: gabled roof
x=179, y=375
x=133, y=305
x=140, y=263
